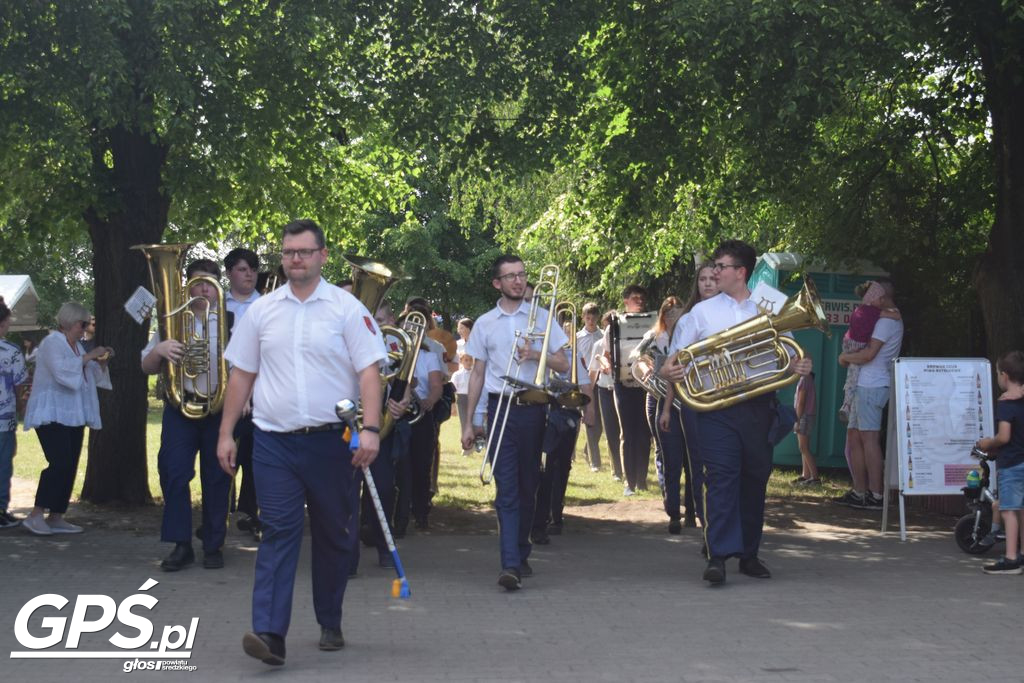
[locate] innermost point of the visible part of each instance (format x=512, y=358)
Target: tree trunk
x=999, y=279
x=117, y=469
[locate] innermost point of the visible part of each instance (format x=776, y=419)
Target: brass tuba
x=177, y=320
x=645, y=371
x=751, y=358
x=415, y=325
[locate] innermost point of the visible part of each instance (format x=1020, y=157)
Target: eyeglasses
x=85, y=323
x=718, y=267
x=509, y=277
x=288, y=254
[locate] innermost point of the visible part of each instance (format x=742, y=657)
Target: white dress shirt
x=492, y=340
x=604, y=380
x=238, y=307
x=585, y=342
x=426, y=363
x=63, y=390
x=306, y=355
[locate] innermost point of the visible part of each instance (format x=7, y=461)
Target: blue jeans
x=8, y=442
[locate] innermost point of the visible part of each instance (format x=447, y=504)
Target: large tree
x=124, y=117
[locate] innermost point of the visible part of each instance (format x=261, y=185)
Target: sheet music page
x=140, y=304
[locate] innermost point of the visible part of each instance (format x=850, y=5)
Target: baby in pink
x=862, y=324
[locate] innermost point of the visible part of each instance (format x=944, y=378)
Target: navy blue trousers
x=669, y=458
x=559, y=440
x=516, y=473
x=294, y=471
x=180, y=439
x=693, y=467
x=631, y=406
x=737, y=461
x=243, y=458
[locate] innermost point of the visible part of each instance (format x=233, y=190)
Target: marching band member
x=242, y=267
x=297, y=351
x=585, y=340
x=601, y=371
x=734, y=446
x=181, y=437
x=563, y=428
x=631, y=407
x=517, y=457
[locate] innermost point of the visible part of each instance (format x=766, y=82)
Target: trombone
x=538, y=392
x=570, y=396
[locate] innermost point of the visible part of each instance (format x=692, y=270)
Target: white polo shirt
x=306, y=354
x=493, y=337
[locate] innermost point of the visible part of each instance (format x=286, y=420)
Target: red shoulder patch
x=369, y=325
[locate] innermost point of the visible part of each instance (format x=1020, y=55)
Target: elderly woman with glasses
x=62, y=404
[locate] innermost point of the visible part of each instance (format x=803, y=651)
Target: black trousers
x=610, y=422
x=247, y=489
x=631, y=406
x=559, y=440
x=422, y=443
x=62, y=446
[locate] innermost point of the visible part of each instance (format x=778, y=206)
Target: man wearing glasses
x=517, y=458
x=734, y=446
x=298, y=351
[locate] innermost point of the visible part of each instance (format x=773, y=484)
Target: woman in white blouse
x=63, y=402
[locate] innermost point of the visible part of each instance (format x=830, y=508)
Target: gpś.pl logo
x=170, y=652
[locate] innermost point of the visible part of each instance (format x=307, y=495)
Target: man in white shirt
x=517, y=458
x=181, y=437
x=242, y=268
x=585, y=340
x=870, y=397
x=297, y=352
x=734, y=446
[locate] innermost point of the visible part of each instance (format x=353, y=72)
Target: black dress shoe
x=714, y=572
x=751, y=566
x=266, y=647
x=540, y=537
x=213, y=560
x=180, y=557
x=689, y=521
x=555, y=529
x=525, y=569
x=510, y=579
x=675, y=526
x=331, y=639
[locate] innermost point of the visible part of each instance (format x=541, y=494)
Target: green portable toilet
x=781, y=271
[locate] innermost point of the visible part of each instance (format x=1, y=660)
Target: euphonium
x=415, y=325
x=645, y=371
x=176, y=320
x=748, y=359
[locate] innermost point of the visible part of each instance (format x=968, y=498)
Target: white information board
x=943, y=406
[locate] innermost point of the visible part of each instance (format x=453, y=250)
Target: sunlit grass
x=458, y=481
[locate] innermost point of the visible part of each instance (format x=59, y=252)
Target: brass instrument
x=751, y=358
x=571, y=396
x=529, y=393
x=371, y=281
x=272, y=275
x=177, y=320
x=414, y=324
x=644, y=369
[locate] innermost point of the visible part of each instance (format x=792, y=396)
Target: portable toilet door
x=782, y=271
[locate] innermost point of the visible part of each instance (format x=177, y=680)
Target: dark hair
x=500, y=261
x=420, y=305
x=667, y=305
x=591, y=307
x=739, y=251
x=240, y=254
x=606, y=319
x=630, y=290
x=203, y=264
x=302, y=225
x=468, y=322
x=5, y=312
x=695, y=290
x=1012, y=363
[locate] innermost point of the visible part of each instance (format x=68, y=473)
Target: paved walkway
x=611, y=601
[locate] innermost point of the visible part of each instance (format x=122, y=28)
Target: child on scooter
x=1009, y=440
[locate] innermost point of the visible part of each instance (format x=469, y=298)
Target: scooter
x=973, y=527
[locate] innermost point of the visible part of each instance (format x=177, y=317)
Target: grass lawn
x=459, y=480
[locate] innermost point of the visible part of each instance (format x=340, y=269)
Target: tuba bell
x=177, y=320
x=751, y=358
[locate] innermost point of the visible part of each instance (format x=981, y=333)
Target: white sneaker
x=62, y=526
x=37, y=525
x=628, y=491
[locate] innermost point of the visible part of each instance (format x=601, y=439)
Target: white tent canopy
x=20, y=296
